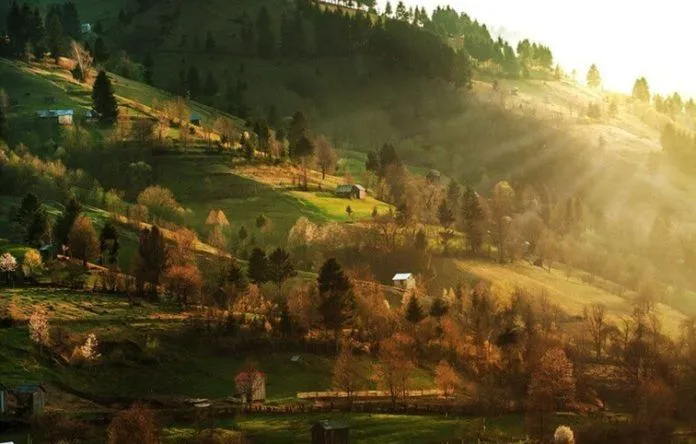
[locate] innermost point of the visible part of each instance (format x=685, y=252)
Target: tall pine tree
x=103, y=99
x=266, y=37
x=336, y=299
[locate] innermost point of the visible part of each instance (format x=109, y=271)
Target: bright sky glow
x=626, y=39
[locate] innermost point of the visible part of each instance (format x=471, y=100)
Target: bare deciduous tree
x=326, y=156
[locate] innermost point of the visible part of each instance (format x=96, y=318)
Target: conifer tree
x=3, y=123
x=103, y=99
x=210, y=87
x=209, y=42
x=266, y=38
x=594, y=79
x=336, y=299
x=65, y=222
x=414, y=311
x=258, y=267
x=101, y=53
x=148, y=65
x=193, y=82
x=473, y=219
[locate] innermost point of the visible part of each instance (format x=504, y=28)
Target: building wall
x=65, y=120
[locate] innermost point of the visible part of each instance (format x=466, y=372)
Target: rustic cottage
x=330, y=432
x=351, y=191
x=404, y=281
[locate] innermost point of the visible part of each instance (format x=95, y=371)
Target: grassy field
x=32, y=87
x=173, y=367
x=572, y=294
x=377, y=428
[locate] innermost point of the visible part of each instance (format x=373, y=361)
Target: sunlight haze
x=625, y=39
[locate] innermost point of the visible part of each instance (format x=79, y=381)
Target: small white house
x=404, y=281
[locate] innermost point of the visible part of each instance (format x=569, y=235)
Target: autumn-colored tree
x=39, y=330
x=346, y=372
x=83, y=62
x=552, y=385
x=655, y=406
x=563, y=435
x=32, y=264
x=395, y=365
x=8, y=265
x=83, y=240
x=184, y=283
x=249, y=380
x=326, y=156
x=184, y=248
x=160, y=201
x=597, y=326
x=447, y=379
x=137, y=424
x=90, y=349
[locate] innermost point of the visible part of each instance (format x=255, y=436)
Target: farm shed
x=195, y=119
x=60, y=116
x=351, y=191
x=330, y=432
x=30, y=398
x=404, y=281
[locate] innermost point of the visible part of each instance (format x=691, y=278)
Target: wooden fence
x=368, y=394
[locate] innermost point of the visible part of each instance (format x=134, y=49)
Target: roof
x=54, y=112
x=401, y=276
x=345, y=188
x=331, y=425
x=29, y=388
x=195, y=116
x=245, y=374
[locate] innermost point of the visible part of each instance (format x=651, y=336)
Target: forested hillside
x=392, y=211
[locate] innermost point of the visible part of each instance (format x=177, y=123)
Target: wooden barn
x=351, y=191
x=330, y=432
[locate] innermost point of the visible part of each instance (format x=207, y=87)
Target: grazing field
x=146, y=351
x=570, y=293
x=34, y=88
x=374, y=428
